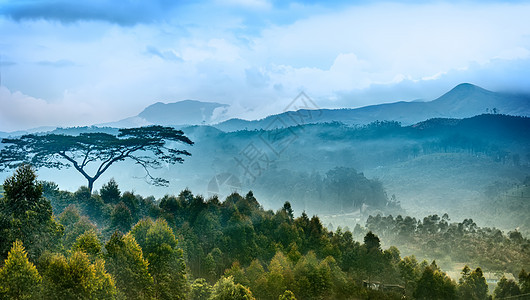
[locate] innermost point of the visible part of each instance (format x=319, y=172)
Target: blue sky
x=71, y=63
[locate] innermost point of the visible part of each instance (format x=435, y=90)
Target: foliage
x=88, y=243
x=166, y=263
x=19, y=279
x=436, y=237
x=434, y=284
x=97, y=148
x=473, y=285
x=226, y=289
x=127, y=265
x=200, y=289
x=26, y=216
x=506, y=288
x=76, y=278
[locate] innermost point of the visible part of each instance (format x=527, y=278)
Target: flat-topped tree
x=94, y=153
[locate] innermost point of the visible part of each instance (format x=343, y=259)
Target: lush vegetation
x=111, y=245
x=447, y=242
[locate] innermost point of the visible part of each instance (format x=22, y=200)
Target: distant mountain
x=463, y=101
x=186, y=112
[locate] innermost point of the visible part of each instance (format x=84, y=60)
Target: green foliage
x=434, y=284
x=226, y=289
x=506, y=288
x=26, y=216
x=110, y=193
x=96, y=148
x=473, y=285
x=74, y=225
x=166, y=263
x=76, y=278
x=436, y=237
x=200, y=289
x=88, y=243
x=19, y=279
x=524, y=282
x=127, y=265
x=121, y=218
x=287, y=295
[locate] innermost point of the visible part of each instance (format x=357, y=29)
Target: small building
x=385, y=287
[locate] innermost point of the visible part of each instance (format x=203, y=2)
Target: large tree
x=95, y=152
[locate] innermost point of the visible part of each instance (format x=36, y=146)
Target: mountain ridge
x=463, y=101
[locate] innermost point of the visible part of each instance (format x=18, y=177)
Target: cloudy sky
x=73, y=63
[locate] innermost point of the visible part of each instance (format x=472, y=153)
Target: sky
x=76, y=63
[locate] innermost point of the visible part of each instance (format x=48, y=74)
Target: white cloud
x=212, y=55
x=20, y=111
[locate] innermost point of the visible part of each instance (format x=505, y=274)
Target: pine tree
x=19, y=279
x=126, y=263
x=76, y=278
x=226, y=289
x=166, y=262
x=27, y=216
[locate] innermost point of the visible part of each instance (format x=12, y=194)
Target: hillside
x=463, y=101
x=436, y=166
x=186, y=112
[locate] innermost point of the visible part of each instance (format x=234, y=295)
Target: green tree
x=166, y=262
x=76, y=278
x=434, y=284
x=506, y=288
x=287, y=295
x=121, y=218
x=74, y=225
x=473, y=285
x=200, y=289
x=89, y=243
x=26, y=216
x=226, y=289
x=313, y=280
x=19, y=279
x=99, y=149
x=110, y=193
x=524, y=281
x=126, y=263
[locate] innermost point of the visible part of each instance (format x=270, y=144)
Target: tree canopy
x=148, y=146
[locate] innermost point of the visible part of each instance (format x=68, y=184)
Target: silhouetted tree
x=147, y=146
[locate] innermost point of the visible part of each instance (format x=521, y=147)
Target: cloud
x=124, y=12
x=169, y=55
x=22, y=112
x=254, y=55
x=58, y=63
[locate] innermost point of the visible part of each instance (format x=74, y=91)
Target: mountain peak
x=181, y=112
x=467, y=87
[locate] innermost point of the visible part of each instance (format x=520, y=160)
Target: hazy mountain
x=186, y=112
x=463, y=101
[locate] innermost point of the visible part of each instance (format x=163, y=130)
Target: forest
x=110, y=244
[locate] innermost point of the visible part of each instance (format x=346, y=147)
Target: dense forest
x=110, y=244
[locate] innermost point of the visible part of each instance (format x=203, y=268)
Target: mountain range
x=463, y=101
x=186, y=112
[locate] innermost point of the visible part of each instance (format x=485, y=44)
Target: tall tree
x=19, y=279
x=473, y=285
x=27, y=216
x=126, y=263
x=166, y=262
x=76, y=278
x=147, y=146
x=226, y=289
x=434, y=284
x=506, y=288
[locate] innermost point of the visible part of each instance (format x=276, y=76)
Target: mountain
x=186, y=112
x=463, y=101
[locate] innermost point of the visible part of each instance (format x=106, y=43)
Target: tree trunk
x=90, y=184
